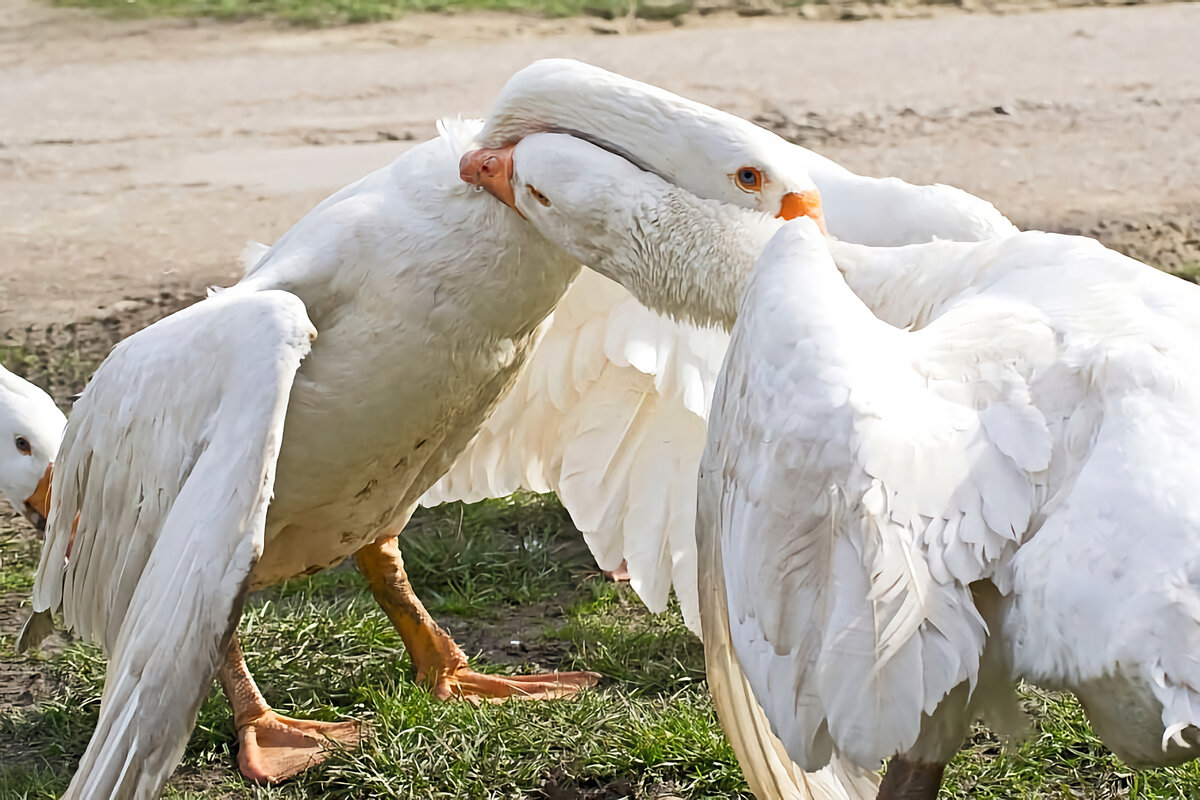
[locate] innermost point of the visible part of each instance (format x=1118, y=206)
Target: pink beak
x=493, y=170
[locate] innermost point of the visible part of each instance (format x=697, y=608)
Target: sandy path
x=138, y=157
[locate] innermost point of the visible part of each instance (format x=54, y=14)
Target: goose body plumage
x=610, y=417
x=397, y=273
x=414, y=272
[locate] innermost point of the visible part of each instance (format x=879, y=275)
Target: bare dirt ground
x=137, y=157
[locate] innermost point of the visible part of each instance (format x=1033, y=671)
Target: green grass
x=320, y=648
x=61, y=371
x=18, y=560
x=508, y=551
x=1189, y=270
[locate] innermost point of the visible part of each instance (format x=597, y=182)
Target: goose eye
x=23, y=446
x=749, y=179
x=541, y=198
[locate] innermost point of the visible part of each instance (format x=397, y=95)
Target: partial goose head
x=31, y=429
x=709, y=153
x=677, y=253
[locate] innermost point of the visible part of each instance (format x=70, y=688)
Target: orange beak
x=804, y=204
x=37, y=505
x=491, y=169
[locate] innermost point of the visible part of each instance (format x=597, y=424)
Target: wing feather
x=765, y=762
x=610, y=416
x=861, y=488
x=168, y=462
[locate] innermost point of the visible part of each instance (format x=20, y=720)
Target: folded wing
x=168, y=465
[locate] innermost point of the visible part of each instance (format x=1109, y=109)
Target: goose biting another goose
x=589, y=419
x=897, y=525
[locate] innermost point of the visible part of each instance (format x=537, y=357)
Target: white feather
x=187, y=416
x=609, y=415
x=888, y=627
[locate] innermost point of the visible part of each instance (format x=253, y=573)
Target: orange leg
x=441, y=664
x=272, y=747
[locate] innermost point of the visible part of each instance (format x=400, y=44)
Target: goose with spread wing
x=611, y=413
x=1003, y=493
x=931, y=471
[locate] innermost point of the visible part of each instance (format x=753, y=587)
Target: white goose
x=171, y=455
x=31, y=428
x=1046, y=405
x=611, y=413
x=873, y=501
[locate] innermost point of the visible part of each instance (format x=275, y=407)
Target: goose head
x=709, y=153
x=679, y=254
x=31, y=429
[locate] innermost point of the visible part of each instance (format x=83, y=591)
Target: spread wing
x=609, y=414
x=853, y=505
x=168, y=463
